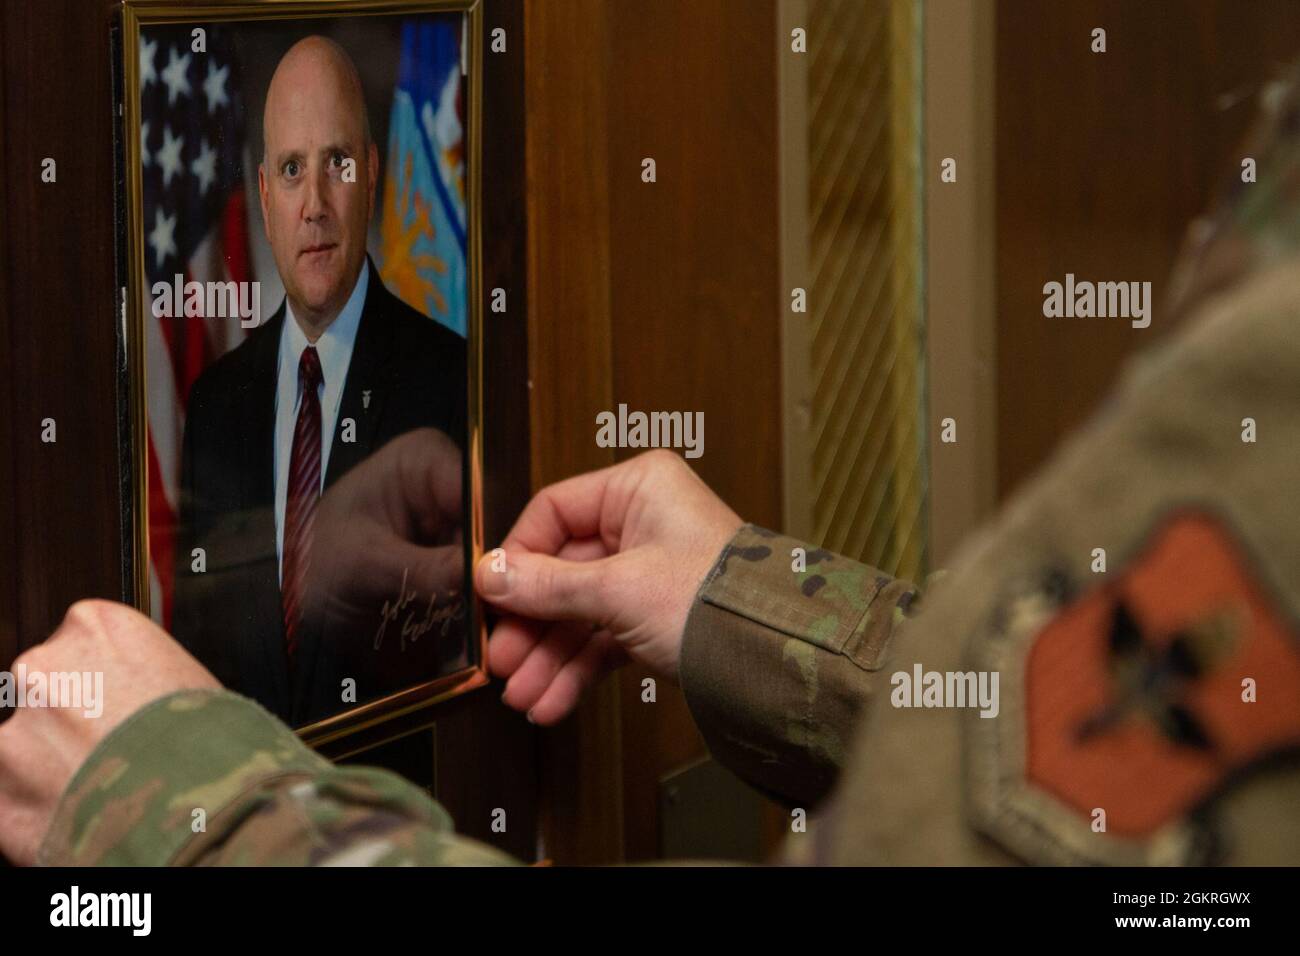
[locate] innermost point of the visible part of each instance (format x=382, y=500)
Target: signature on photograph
x=416, y=624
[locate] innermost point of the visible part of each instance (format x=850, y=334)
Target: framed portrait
x=300, y=254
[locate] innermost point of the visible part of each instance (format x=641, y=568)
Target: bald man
x=339, y=370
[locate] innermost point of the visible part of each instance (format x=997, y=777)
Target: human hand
x=600, y=568
x=41, y=748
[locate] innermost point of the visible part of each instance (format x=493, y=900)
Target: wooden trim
x=8, y=477
x=570, y=368
x=959, y=250
x=63, y=312
x=695, y=292
x=792, y=171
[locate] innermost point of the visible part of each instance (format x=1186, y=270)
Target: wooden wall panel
x=8, y=473
x=960, y=313
x=1102, y=160
x=695, y=288
x=695, y=255
x=662, y=295
x=60, y=310
x=568, y=66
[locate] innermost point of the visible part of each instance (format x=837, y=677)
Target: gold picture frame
x=407, y=709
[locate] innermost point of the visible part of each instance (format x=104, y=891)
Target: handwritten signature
x=414, y=625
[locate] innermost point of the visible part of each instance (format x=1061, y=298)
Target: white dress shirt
x=334, y=349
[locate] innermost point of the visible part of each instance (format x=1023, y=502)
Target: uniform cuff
x=780, y=652
x=166, y=774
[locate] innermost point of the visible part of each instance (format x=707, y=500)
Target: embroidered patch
x=1127, y=707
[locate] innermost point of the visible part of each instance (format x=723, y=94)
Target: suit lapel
x=367, y=384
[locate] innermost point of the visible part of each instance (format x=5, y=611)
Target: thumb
x=546, y=588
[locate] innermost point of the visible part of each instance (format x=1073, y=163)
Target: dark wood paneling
x=8, y=473
x=568, y=71
x=505, y=264
x=61, y=310
x=664, y=296
x=568, y=206
x=1102, y=160
x=695, y=256
x=695, y=289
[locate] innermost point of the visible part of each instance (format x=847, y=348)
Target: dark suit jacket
x=230, y=616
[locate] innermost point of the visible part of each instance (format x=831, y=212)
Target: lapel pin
x=365, y=399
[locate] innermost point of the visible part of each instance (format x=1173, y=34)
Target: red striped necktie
x=304, y=490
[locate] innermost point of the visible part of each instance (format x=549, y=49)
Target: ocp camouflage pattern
x=781, y=652
x=209, y=777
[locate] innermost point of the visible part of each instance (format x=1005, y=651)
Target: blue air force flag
x=422, y=228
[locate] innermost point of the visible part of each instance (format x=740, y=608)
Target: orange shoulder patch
x=1126, y=708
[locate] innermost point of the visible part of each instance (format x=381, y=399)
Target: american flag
x=195, y=224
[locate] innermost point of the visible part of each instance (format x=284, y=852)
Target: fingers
x=597, y=657
x=512, y=641
x=581, y=549
x=514, y=637
x=568, y=509
x=546, y=588
x=551, y=681
x=534, y=675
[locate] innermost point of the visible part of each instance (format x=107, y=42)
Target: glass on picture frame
x=301, y=258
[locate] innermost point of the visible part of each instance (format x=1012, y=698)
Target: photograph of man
x=341, y=369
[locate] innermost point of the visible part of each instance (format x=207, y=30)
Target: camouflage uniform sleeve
x=778, y=661
x=264, y=797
